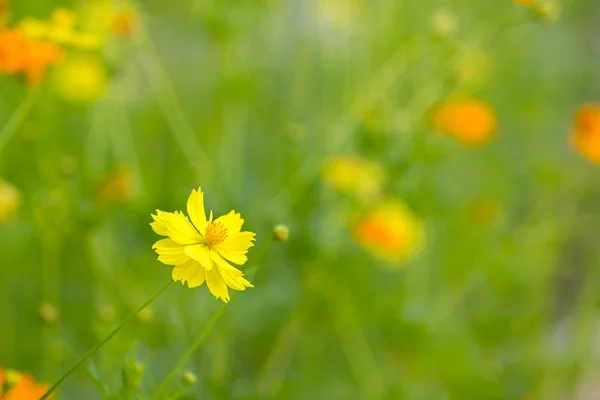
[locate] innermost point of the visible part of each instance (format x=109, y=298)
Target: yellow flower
x=200, y=250
x=471, y=121
x=9, y=200
x=585, y=136
x=390, y=231
x=354, y=175
x=20, y=386
x=81, y=78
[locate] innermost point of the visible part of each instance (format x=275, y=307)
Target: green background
x=248, y=99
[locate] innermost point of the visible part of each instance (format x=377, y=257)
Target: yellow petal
x=159, y=225
x=232, y=276
x=195, y=209
x=200, y=253
x=237, y=242
x=170, y=252
x=180, y=228
x=216, y=285
x=191, y=272
x=232, y=222
x=238, y=258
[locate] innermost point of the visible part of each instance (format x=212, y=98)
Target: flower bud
x=281, y=233
x=188, y=379
x=145, y=315
x=48, y=313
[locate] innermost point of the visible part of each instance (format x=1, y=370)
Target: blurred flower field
x=300, y=199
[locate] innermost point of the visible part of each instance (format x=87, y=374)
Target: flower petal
x=192, y=272
x=232, y=222
x=159, y=225
x=236, y=257
x=238, y=242
x=170, y=252
x=217, y=285
x=232, y=276
x=200, y=253
x=195, y=209
x=180, y=229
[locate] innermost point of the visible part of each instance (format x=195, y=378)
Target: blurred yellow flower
x=17, y=386
x=59, y=29
x=25, y=56
x=105, y=18
x=471, y=121
x=124, y=23
x=390, y=231
x=81, y=78
x=9, y=201
x=585, y=136
x=354, y=175
x=199, y=250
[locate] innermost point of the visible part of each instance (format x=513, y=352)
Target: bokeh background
x=254, y=100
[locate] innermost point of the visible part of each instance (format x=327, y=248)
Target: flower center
x=215, y=233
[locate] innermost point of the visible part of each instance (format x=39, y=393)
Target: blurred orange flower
x=390, y=231
x=28, y=57
x=471, y=121
x=585, y=136
x=19, y=386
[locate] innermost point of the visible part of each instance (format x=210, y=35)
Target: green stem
x=103, y=342
x=206, y=331
x=17, y=118
x=189, y=353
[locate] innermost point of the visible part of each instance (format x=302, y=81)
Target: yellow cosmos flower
x=390, y=231
x=354, y=175
x=585, y=136
x=81, y=78
x=200, y=250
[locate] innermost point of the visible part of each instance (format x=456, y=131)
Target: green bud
x=281, y=233
x=145, y=315
x=188, y=379
x=48, y=313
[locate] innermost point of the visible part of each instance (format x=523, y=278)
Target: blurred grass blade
x=17, y=118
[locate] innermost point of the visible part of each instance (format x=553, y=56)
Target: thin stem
x=17, y=118
x=103, y=342
x=261, y=251
x=190, y=352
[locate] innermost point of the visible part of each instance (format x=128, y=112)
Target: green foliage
x=248, y=99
